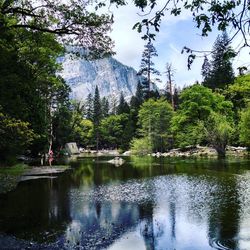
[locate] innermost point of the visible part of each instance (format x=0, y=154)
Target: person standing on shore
x=51, y=154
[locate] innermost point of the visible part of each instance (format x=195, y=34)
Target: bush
x=244, y=127
x=15, y=136
x=141, y=146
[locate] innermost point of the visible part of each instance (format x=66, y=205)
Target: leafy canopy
x=71, y=21
x=197, y=104
x=218, y=132
x=244, y=127
x=116, y=131
x=239, y=92
x=16, y=136
x=207, y=15
x=154, y=118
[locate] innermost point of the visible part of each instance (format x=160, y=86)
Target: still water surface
x=146, y=203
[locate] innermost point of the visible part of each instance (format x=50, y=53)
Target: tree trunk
x=221, y=151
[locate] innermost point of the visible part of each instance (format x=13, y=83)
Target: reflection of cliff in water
x=97, y=225
x=96, y=206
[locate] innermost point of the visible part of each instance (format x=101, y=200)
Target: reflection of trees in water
x=96, y=171
x=37, y=210
x=50, y=206
x=172, y=209
x=224, y=216
x=147, y=225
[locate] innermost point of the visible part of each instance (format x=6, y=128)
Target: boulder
x=72, y=148
x=127, y=153
x=117, y=161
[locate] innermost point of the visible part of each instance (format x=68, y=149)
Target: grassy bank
x=9, y=177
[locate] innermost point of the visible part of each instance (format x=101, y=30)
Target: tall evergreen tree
x=176, y=98
x=135, y=103
x=221, y=73
x=113, y=105
x=30, y=89
x=89, y=107
x=122, y=106
x=97, y=115
x=206, y=70
x=147, y=65
x=105, y=107
x=139, y=93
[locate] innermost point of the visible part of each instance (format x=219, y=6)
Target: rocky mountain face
x=111, y=77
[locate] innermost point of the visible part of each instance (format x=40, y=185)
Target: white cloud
x=128, y=42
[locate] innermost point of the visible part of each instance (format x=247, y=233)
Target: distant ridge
x=111, y=77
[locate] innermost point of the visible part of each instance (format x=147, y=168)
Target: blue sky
x=175, y=33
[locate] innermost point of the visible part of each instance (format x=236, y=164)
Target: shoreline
x=9, y=179
x=203, y=151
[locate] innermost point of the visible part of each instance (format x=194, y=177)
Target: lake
x=147, y=203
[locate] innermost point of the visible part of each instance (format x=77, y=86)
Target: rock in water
x=117, y=161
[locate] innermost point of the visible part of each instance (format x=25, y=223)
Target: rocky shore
x=189, y=151
x=201, y=151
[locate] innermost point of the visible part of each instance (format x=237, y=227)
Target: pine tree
x=147, y=65
x=177, y=92
x=206, y=70
x=97, y=115
x=89, y=107
x=122, y=106
x=135, y=103
x=221, y=73
x=97, y=111
x=139, y=93
x=137, y=99
x=113, y=105
x=105, y=107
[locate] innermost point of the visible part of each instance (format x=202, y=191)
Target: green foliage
x=122, y=106
x=34, y=100
x=205, y=70
x=208, y=15
x=97, y=116
x=15, y=135
x=154, y=119
x=141, y=146
x=69, y=124
x=218, y=132
x=62, y=126
x=244, y=127
x=30, y=89
x=198, y=101
x=15, y=170
x=137, y=100
x=71, y=21
x=30, y=43
x=197, y=104
x=147, y=65
x=105, y=107
x=83, y=132
x=186, y=134
x=239, y=92
x=219, y=73
x=97, y=110
x=89, y=107
x=116, y=131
